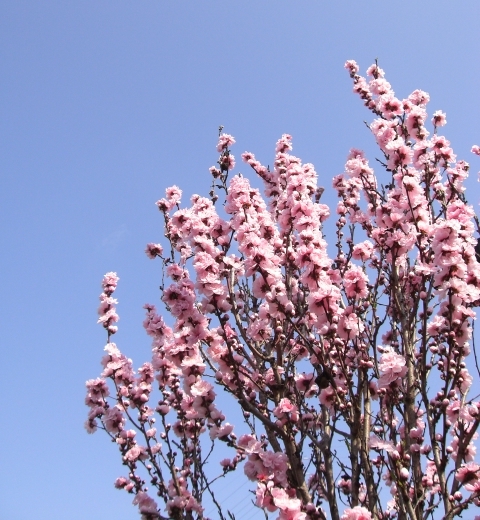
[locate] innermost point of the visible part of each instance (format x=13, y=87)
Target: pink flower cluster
x=363, y=348
x=357, y=513
x=392, y=367
x=106, y=310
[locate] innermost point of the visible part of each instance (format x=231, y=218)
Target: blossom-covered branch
x=353, y=373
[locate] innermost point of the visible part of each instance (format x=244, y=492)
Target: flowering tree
x=353, y=373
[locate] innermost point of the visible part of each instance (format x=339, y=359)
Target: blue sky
x=106, y=103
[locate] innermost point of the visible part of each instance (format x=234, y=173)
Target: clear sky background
x=105, y=103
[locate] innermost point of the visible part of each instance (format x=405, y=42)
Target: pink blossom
x=380, y=86
x=468, y=475
x=355, y=283
x=352, y=67
x=224, y=141
x=375, y=71
x=221, y=432
x=473, y=487
x=109, y=316
x=171, y=200
x=91, y=425
x=419, y=97
x=288, y=504
x=121, y=482
x=201, y=388
x=146, y=504
x=400, y=154
x=249, y=444
x=285, y=406
x=292, y=514
x=227, y=162
x=469, y=451
x=284, y=143
x=114, y=420
x=176, y=272
x=389, y=105
x=153, y=250
x=362, y=251
x=392, y=367
x=136, y=453
x=106, y=304
x=109, y=282
x=264, y=497
x=305, y=383
x=439, y=118
x=349, y=324
x=327, y=397
x=275, y=464
x=173, y=194
x=384, y=132
x=415, y=122
x=357, y=513
x=380, y=444
x=97, y=391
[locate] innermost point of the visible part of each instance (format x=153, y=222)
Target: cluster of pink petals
x=262, y=308
x=107, y=310
x=224, y=142
x=146, y=504
x=469, y=476
x=173, y=195
x=153, y=250
x=356, y=513
x=273, y=498
x=380, y=444
x=392, y=366
x=286, y=410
